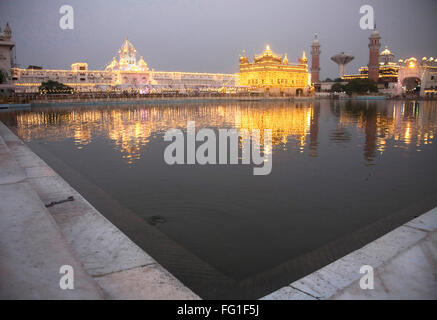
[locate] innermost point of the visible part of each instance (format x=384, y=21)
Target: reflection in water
x=344, y=173
x=131, y=128
x=397, y=124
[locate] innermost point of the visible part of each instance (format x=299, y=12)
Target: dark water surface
x=344, y=173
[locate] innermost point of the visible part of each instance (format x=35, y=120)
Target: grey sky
x=208, y=35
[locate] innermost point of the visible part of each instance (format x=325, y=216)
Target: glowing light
x=270, y=70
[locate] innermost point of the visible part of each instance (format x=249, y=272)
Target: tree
x=338, y=80
x=361, y=86
x=54, y=87
x=328, y=80
x=337, y=87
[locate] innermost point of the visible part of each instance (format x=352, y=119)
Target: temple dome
x=304, y=59
x=268, y=56
x=243, y=58
x=128, y=60
x=142, y=64
x=386, y=51
x=113, y=65
x=386, y=57
x=127, y=47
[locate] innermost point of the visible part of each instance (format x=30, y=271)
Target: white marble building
x=125, y=73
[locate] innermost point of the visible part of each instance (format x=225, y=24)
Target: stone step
x=118, y=265
x=32, y=247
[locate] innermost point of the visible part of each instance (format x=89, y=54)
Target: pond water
x=343, y=173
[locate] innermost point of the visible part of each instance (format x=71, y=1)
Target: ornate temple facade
x=273, y=73
x=125, y=73
x=127, y=70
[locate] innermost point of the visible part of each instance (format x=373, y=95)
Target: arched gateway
x=418, y=77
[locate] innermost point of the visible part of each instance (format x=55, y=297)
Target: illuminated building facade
x=387, y=73
x=409, y=76
x=273, y=73
x=79, y=77
x=126, y=73
x=418, y=77
x=127, y=70
x=382, y=67
x=387, y=70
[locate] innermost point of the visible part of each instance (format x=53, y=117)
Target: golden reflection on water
x=394, y=124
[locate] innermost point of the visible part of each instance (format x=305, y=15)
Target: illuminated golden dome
x=243, y=58
x=268, y=56
x=386, y=57
x=285, y=61
x=304, y=59
x=386, y=52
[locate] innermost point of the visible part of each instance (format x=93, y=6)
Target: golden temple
x=273, y=73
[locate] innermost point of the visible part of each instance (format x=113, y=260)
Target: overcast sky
x=208, y=35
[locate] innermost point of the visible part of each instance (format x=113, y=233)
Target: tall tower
x=374, y=46
x=315, y=61
x=6, y=46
